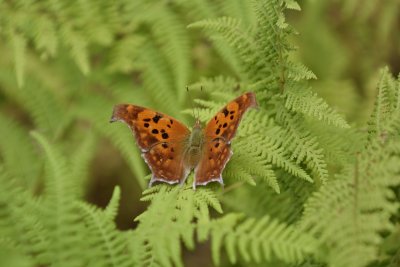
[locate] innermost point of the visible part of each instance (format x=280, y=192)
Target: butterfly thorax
x=195, y=145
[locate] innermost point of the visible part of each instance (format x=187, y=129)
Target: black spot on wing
x=156, y=118
x=154, y=131
x=146, y=125
x=164, y=136
x=225, y=124
x=225, y=111
x=147, y=119
x=231, y=117
x=217, y=131
x=164, y=145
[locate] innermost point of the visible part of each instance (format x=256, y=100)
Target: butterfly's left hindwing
x=215, y=156
x=160, y=138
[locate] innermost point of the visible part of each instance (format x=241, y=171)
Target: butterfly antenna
x=191, y=103
x=198, y=110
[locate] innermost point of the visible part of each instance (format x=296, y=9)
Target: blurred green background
x=65, y=64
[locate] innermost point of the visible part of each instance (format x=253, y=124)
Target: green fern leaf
x=307, y=102
x=110, y=244
x=259, y=240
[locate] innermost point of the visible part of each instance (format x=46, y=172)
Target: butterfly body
x=194, y=146
x=171, y=150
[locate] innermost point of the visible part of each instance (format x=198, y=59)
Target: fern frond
x=301, y=144
x=349, y=214
x=306, y=102
x=19, y=214
x=124, y=54
x=249, y=165
x=258, y=240
x=21, y=163
x=298, y=72
x=60, y=213
x=110, y=244
x=386, y=104
x=237, y=37
x=292, y=4
x=157, y=238
x=36, y=101
x=171, y=37
x=80, y=162
x=240, y=9
x=168, y=220
x=78, y=45
x=112, y=208
x=45, y=36
x=274, y=153
x=158, y=79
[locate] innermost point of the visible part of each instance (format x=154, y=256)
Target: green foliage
x=173, y=211
x=258, y=240
x=304, y=187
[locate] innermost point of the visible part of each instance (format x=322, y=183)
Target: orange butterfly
x=171, y=150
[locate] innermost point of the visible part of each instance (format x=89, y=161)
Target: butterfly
x=172, y=151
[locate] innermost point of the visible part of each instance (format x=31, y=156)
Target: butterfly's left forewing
x=161, y=139
x=219, y=132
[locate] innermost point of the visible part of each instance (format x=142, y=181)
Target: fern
x=254, y=240
x=168, y=220
x=102, y=232
x=60, y=209
x=17, y=205
x=360, y=198
x=170, y=35
x=306, y=102
x=251, y=45
x=21, y=163
x=304, y=187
